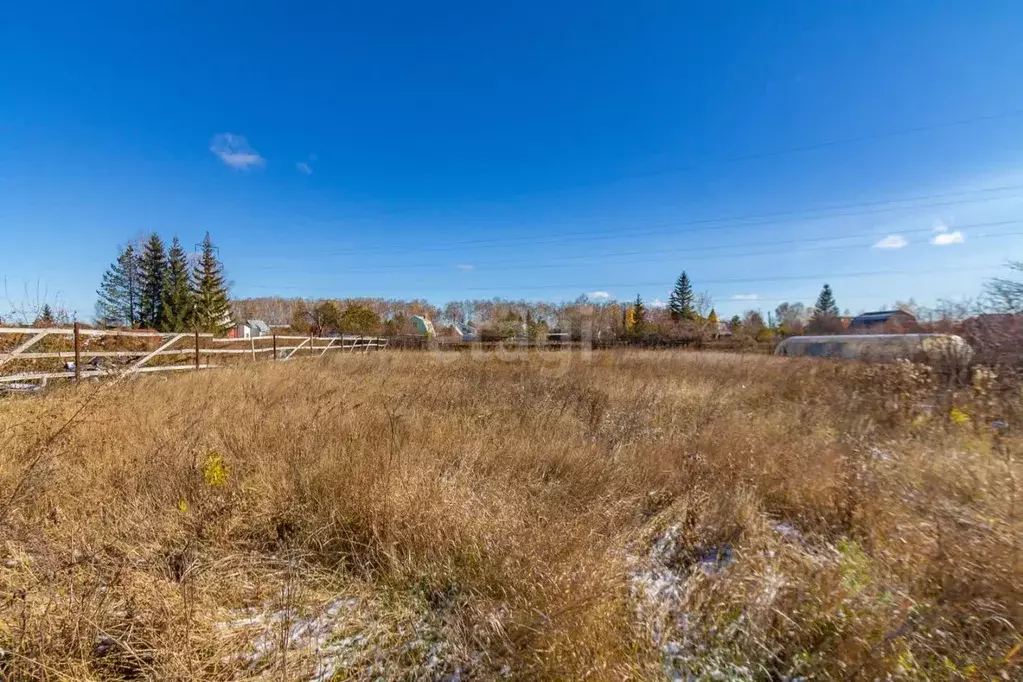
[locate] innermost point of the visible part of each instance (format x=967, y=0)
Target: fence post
x=78, y=352
x=275, y=346
x=252, y=343
x=197, y=348
x=312, y=353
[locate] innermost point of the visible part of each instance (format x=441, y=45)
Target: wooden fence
x=82, y=353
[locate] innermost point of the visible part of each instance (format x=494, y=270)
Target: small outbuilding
x=465, y=332
x=252, y=329
x=424, y=327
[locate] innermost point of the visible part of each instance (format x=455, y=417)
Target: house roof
x=879, y=317
x=258, y=325
x=423, y=325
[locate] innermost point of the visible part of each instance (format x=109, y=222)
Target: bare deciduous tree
x=1005, y=295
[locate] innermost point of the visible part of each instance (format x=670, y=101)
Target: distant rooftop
x=879, y=317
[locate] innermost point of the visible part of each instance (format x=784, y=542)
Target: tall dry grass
x=625, y=515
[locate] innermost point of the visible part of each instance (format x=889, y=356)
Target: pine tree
x=825, y=313
x=153, y=265
x=825, y=306
x=177, y=295
x=120, y=291
x=45, y=317
x=212, y=307
x=638, y=315
x=681, y=302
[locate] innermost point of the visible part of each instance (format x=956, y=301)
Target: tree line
x=690, y=315
x=151, y=287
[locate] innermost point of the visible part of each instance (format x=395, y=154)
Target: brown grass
x=409, y=516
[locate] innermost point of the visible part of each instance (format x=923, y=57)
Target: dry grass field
x=643, y=515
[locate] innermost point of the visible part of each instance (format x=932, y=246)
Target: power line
x=752, y=302
x=592, y=259
x=824, y=144
x=834, y=142
x=825, y=277
x=701, y=224
x=841, y=247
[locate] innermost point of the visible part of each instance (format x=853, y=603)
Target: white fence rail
x=193, y=346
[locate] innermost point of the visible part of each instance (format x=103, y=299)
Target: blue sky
x=523, y=150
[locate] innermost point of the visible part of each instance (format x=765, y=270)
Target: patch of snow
x=658, y=584
x=320, y=644
x=716, y=560
x=305, y=632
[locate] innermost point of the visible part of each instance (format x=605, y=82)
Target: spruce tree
x=824, y=319
x=120, y=291
x=153, y=264
x=45, y=317
x=825, y=306
x=177, y=295
x=212, y=307
x=681, y=302
x=638, y=315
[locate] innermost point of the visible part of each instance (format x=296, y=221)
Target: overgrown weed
x=638, y=515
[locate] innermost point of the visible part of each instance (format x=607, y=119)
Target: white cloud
x=745, y=297
x=892, y=241
x=304, y=167
x=946, y=238
x=465, y=267
x=234, y=150
x=657, y=303
x=603, y=295
x=940, y=227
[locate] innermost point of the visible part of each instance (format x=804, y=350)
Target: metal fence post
x=275, y=346
x=78, y=352
x=197, y=348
